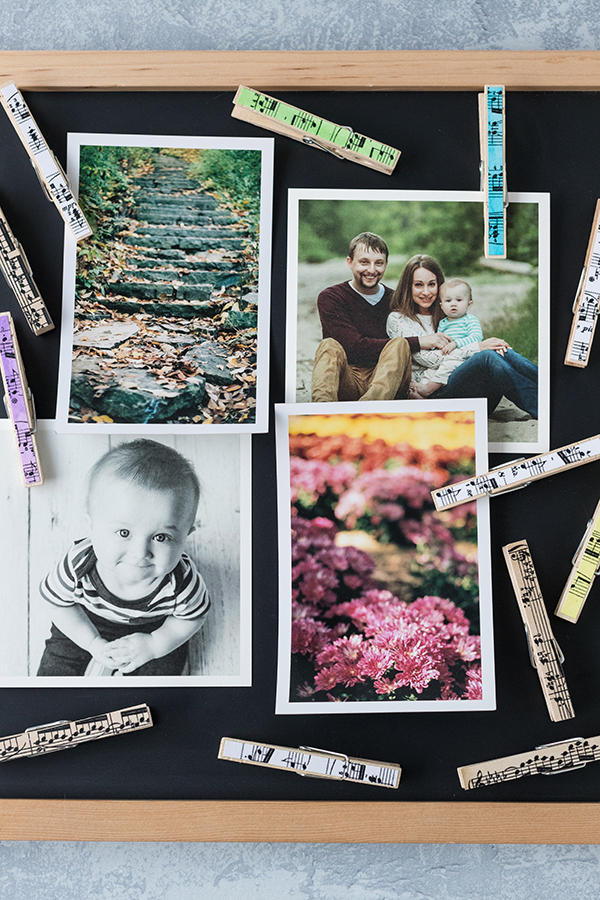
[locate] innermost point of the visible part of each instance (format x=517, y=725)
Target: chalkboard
x=551, y=136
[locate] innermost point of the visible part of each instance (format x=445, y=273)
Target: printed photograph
x=390, y=297
x=166, y=306
x=385, y=603
x=132, y=560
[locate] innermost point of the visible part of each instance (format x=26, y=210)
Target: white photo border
x=18, y=497
x=283, y=705
x=77, y=140
x=542, y=444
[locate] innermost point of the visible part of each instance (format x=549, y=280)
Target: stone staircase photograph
x=169, y=332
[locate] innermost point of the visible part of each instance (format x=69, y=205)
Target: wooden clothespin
x=544, y=652
x=311, y=762
x=587, y=301
x=517, y=474
x=586, y=564
x=48, y=169
x=17, y=271
x=65, y=734
x=566, y=756
x=493, y=169
x=19, y=402
x=339, y=140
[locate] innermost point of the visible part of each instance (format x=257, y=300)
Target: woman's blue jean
x=493, y=375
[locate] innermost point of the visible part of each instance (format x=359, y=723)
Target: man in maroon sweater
x=356, y=360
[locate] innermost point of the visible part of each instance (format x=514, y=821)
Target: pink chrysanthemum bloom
x=339, y=663
x=474, y=689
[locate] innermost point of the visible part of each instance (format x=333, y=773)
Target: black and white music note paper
x=311, y=762
x=17, y=271
x=62, y=735
x=563, y=756
x=45, y=163
x=518, y=474
x=545, y=653
x=587, y=301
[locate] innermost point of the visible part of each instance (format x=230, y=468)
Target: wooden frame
x=431, y=822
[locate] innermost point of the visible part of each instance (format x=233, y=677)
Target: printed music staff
x=566, y=756
x=18, y=402
x=517, y=474
x=493, y=169
x=49, y=171
x=17, y=271
x=586, y=564
x=587, y=300
x=62, y=735
x=311, y=762
x=339, y=140
x=544, y=651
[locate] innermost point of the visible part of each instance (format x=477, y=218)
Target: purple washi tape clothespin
x=18, y=401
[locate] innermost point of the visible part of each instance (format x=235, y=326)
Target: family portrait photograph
x=385, y=604
x=389, y=296
x=166, y=306
x=131, y=561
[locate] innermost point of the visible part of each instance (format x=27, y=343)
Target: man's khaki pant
x=335, y=379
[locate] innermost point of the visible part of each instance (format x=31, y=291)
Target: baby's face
x=455, y=302
x=138, y=534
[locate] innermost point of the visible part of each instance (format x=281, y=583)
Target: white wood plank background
x=37, y=525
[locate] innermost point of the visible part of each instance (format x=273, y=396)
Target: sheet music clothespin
x=48, y=169
x=517, y=474
x=545, y=654
x=311, y=762
x=493, y=169
x=65, y=734
x=339, y=140
x=586, y=565
x=566, y=756
x=17, y=271
x=19, y=402
x=587, y=301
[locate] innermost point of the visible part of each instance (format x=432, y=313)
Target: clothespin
x=339, y=140
x=310, y=762
x=587, y=301
x=586, y=565
x=566, y=756
x=517, y=474
x=19, y=402
x=17, y=271
x=493, y=169
x=48, y=169
x=65, y=734
x=544, y=652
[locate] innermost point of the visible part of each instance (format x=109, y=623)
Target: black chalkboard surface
x=551, y=140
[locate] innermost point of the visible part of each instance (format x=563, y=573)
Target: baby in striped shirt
x=463, y=329
x=127, y=596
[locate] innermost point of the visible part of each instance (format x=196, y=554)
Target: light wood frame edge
x=299, y=822
x=302, y=70
x=307, y=821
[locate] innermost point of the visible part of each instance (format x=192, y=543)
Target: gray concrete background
x=169, y=871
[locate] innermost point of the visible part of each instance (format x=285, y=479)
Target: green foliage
x=434, y=578
x=520, y=326
x=450, y=231
x=234, y=176
x=105, y=175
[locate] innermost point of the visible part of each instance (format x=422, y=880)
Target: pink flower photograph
x=385, y=603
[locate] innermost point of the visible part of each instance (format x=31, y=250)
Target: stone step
x=191, y=310
x=206, y=231
x=196, y=201
x=216, y=279
x=217, y=265
x=164, y=217
x=212, y=363
x=169, y=182
x=131, y=395
x=146, y=290
x=204, y=216
x=192, y=245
